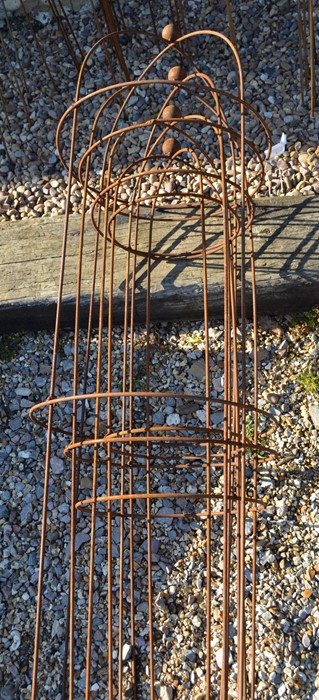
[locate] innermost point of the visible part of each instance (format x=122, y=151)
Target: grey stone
x=154, y=545
x=158, y=418
x=165, y=520
x=26, y=510
x=217, y=417
x=127, y=652
x=163, y=692
x=23, y=391
x=9, y=692
x=81, y=538
x=314, y=413
x=57, y=465
x=4, y=512
x=15, y=423
x=197, y=369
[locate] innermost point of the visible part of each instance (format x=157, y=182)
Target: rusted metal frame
x=255, y=474
x=181, y=16
x=233, y=446
x=3, y=141
x=227, y=506
x=109, y=484
x=123, y=468
x=110, y=21
x=101, y=34
x=300, y=50
x=154, y=394
x=114, y=133
x=16, y=52
x=208, y=445
x=303, y=26
x=65, y=34
x=118, y=12
x=95, y=449
x=37, y=42
x=151, y=64
x=242, y=688
x=231, y=23
x=153, y=17
x=50, y=423
x=131, y=446
x=3, y=102
x=85, y=375
x=16, y=79
x=128, y=377
x=69, y=27
x=312, y=41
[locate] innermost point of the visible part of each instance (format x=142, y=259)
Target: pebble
x=313, y=409
x=164, y=692
x=306, y=641
x=173, y=419
x=127, y=652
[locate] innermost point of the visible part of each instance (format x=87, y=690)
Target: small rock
x=306, y=641
x=9, y=692
x=4, y=512
x=314, y=413
x=127, y=652
x=57, y=465
x=173, y=419
x=23, y=391
x=165, y=511
x=158, y=418
x=217, y=417
x=197, y=369
x=163, y=692
x=16, y=636
x=271, y=397
x=81, y=538
x=201, y=414
x=219, y=658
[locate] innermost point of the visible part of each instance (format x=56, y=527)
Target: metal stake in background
x=177, y=158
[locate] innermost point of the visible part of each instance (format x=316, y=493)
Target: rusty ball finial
x=170, y=33
x=177, y=73
x=171, y=112
x=170, y=146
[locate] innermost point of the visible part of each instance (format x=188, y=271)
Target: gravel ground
x=33, y=183
x=287, y=607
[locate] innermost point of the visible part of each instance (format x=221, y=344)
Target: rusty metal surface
x=108, y=424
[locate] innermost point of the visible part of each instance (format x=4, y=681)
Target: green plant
x=139, y=380
x=309, y=320
x=249, y=426
x=309, y=380
x=9, y=346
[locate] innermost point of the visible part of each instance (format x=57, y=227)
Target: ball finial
x=177, y=73
x=171, y=112
x=170, y=33
x=170, y=146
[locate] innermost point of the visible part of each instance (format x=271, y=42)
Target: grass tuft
x=309, y=380
x=9, y=346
